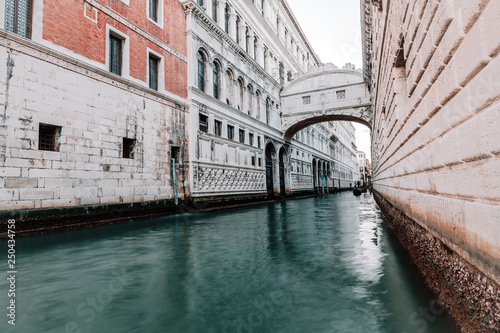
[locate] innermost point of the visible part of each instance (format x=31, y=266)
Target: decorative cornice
x=43, y=53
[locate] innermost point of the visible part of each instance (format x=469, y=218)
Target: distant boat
x=356, y=191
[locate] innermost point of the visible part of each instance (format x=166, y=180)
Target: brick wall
x=70, y=24
x=95, y=111
x=436, y=143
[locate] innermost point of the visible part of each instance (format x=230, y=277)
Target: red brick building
x=93, y=109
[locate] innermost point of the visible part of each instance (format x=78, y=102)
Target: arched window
x=201, y=71
x=216, y=80
x=268, y=111
x=226, y=19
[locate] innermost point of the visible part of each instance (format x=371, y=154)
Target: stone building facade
x=93, y=102
x=433, y=70
x=240, y=56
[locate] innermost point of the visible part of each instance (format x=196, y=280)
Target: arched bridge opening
x=325, y=93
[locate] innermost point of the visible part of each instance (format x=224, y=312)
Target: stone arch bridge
x=325, y=93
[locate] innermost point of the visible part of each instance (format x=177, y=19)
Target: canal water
x=311, y=265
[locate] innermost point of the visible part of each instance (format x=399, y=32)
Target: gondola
x=356, y=191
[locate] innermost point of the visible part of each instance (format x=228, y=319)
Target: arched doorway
x=270, y=152
x=282, y=160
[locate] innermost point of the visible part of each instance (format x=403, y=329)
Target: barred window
x=153, y=72
x=18, y=17
x=341, y=94
x=115, y=54
x=48, y=135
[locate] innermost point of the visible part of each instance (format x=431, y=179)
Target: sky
x=334, y=30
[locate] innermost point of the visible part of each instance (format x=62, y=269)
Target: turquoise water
x=310, y=265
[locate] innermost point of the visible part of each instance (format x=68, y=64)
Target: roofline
x=301, y=32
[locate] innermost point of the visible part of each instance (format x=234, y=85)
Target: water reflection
x=313, y=265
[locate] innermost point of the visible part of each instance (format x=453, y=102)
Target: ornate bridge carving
x=325, y=93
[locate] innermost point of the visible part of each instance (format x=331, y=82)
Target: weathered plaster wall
x=95, y=110
x=436, y=144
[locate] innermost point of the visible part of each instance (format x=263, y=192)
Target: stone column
x=251, y=42
x=232, y=25
x=222, y=85
x=209, y=89
x=221, y=9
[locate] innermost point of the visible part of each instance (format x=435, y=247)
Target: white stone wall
x=95, y=111
x=436, y=143
x=215, y=158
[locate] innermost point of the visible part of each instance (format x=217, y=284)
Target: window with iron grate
x=48, y=137
x=18, y=17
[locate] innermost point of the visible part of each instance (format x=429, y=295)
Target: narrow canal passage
x=310, y=265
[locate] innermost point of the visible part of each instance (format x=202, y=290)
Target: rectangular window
x=153, y=10
x=128, y=148
x=115, y=54
x=258, y=141
x=341, y=94
x=18, y=17
x=218, y=128
x=250, y=140
x=253, y=160
x=48, y=136
x=175, y=154
x=214, y=10
x=306, y=100
x=260, y=161
x=242, y=136
x=203, y=123
x=230, y=132
x=153, y=72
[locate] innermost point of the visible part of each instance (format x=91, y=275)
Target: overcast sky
x=334, y=30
